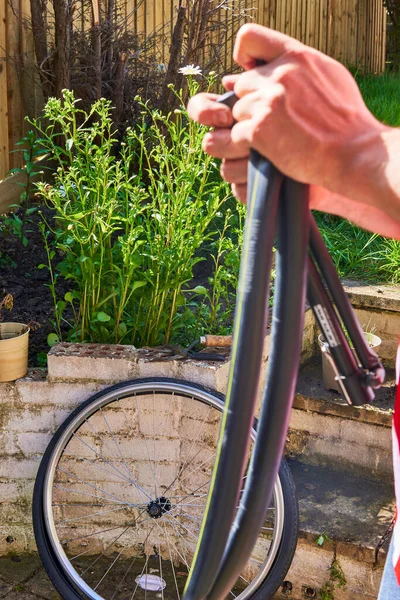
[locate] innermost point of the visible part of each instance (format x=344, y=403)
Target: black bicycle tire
x=60, y=580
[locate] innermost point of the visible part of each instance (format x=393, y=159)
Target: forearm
x=371, y=177
x=364, y=215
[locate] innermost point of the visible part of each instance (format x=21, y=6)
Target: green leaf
x=52, y=339
x=122, y=329
x=137, y=284
x=68, y=297
x=103, y=317
x=42, y=266
x=200, y=289
x=61, y=305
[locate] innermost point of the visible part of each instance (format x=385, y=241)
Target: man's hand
x=304, y=112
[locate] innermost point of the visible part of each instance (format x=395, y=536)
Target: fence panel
x=353, y=31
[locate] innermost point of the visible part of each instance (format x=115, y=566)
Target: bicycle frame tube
x=213, y=570
x=247, y=348
x=368, y=358
x=283, y=364
x=348, y=372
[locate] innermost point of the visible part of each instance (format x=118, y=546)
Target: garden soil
x=20, y=276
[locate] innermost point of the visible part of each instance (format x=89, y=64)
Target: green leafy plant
x=337, y=580
x=322, y=538
x=33, y=152
x=129, y=226
x=41, y=359
x=212, y=307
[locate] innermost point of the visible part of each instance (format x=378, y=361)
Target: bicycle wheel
x=121, y=490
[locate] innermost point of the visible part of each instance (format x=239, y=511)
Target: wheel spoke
x=152, y=463
x=130, y=479
x=89, y=484
x=123, y=459
x=185, y=464
x=172, y=562
x=110, y=462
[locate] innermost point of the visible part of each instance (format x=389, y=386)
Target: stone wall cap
x=373, y=295
x=88, y=350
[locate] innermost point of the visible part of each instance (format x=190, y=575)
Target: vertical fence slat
x=351, y=30
x=298, y=20
x=15, y=108
x=4, y=148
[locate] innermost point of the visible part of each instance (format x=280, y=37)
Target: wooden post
x=62, y=24
x=4, y=157
x=97, y=46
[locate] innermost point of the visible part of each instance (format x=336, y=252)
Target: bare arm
x=304, y=112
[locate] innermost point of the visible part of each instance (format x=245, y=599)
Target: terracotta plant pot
x=14, y=340
x=328, y=374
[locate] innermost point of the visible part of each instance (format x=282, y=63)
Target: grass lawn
x=358, y=253
x=382, y=96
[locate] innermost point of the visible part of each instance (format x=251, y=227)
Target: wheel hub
x=156, y=508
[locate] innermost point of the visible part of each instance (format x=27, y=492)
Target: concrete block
x=31, y=419
x=32, y=442
x=54, y=394
x=16, y=490
x=7, y=443
x=152, y=424
x=386, y=297
x=349, y=456
x=147, y=449
x=15, y=538
x=213, y=375
x=19, y=468
x=92, y=362
x=199, y=431
x=8, y=395
x=16, y=513
x=149, y=368
x=319, y=425
x=310, y=571
x=165, y=475
x=366, y=435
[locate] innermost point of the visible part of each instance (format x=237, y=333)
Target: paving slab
x=5, y=589
x=15, y=569
x=22, y=595
x=353, y=512
x=41, y=586
x=312, y=395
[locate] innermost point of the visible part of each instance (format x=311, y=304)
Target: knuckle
x=247, y=31
x=298, y=52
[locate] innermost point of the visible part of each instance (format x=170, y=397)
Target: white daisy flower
x=190, y=70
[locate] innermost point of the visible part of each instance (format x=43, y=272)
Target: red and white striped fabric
x=396, y=468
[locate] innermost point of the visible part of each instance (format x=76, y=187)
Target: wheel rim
x=159, y=519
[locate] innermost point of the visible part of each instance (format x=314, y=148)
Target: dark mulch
x=20, y=276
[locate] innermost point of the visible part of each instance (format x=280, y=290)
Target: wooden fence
x=352, y=31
